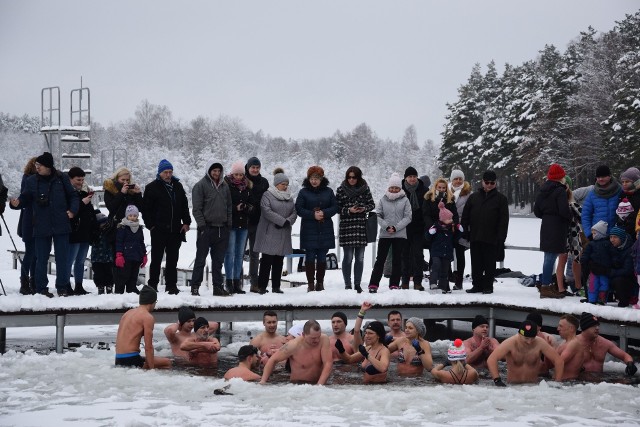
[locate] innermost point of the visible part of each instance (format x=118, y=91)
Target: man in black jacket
x=260, y=185
x=485, y=219
x=166, y=215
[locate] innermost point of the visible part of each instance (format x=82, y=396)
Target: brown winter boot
x=322, y=267
x=310, y=269
x=549, y=292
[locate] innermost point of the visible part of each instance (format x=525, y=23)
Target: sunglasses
x=490, y=182
x=352, y=177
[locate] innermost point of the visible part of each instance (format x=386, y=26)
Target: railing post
x=3, y=340
x=492, y=323
x=60, y=321
x=288, y=320
x=623, y=337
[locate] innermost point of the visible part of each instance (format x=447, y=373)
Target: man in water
x=269, y=341
x=201, y=348
x=596, y=347
x=480, y=346
x=248, y=360
x=135, y=324
x=339, y=326
x=570, y=349
x=394, y=321
x=523, y=352
x=309, y=357
x=176, y=333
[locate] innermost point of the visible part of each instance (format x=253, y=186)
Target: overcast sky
x=298, y=69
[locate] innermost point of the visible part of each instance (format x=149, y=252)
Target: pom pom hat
x=457, y=351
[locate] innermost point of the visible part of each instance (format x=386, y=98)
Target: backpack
x=332, y=262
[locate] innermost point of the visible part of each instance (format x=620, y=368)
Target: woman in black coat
x=552, y=206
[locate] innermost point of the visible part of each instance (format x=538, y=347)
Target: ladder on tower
x=70, y=145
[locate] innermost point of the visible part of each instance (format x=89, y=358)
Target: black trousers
x=211, y=241
x=273, y=264
x=413, y=257
x=396, y=245
x=625, y=288
x=127, y=277
x=163, y=243
x=102, y=273
x=460, y=260
x=483, y=265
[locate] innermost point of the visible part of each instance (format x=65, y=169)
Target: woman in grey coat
x=273, y=236
x=394, y=214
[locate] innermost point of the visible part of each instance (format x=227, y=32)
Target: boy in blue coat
x=131, y=252
x=597, y=257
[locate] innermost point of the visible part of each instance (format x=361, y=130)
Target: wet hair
x=392, y=312
x=311, y=325
x=571, y=319
x=269, y=313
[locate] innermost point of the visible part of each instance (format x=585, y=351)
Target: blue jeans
x=77, y=255
x=43, y=248
x=28, y=267
x=235, y=252
x=547, y=268
x=347, y=258
x=315, y=255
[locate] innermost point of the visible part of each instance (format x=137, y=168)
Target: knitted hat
x=315, y=170
x=489, y=176
x=164, y=165
x=555, y=173
x=131, y=210
x=215, y=165
x=253, y=161
x=246, y=351
x=185, y=314
x=568, y=181
x=340, y=315
x=445, y=214
x=457, y=351
x=479, y=320
x=279, y=177
x=528, y=329
x=456, y=173
x=237, y=167
x=535, y=317
x=147, y=295
x=419, y=325
x=631, y=174
x=378, y=328
x=588, y=320
x=395, y=181
x=45, y=159
x=199, y=323
x=410, y=171
x=75, y=172
x=624, y=208
x=599, y=230
x=619, y=232
x=603, y=170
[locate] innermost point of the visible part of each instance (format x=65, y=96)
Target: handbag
x=372, y=227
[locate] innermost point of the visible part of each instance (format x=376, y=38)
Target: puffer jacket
x=396, y=213
x=596, y=208
x=598, y=256
x=552, y=206
x=240, y=218
x=622, y=261
x=316, y=234
x=443, y=241
x=211, y=203
x=130, y=244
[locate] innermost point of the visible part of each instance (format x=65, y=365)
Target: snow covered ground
x=83, y=388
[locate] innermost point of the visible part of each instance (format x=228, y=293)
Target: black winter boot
x=228, y=284
x=321, y=267
x=218, y=291
x=310, y=270
x=195, y=290
x=25, y=289
x=237, y=286
x=32, y=285
x=79, y=290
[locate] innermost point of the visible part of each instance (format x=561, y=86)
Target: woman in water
x=460, y=372
x=414, y=352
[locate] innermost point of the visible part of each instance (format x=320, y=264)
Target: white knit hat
x=624, y=208
x=395, y=180
x=457, y=351
x=599, y=230
x=456, y=173
x=237, y=167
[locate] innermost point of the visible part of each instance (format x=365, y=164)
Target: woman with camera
x=120, y=192
x=242, y=204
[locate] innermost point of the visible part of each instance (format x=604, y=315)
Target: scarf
x=280, y=195
x=413, y=197
x=607, y=191
x=240, y=184
x=394, y=196
x=133, y=225
x=351, y=191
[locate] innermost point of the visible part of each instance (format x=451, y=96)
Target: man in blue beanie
x=166, y=215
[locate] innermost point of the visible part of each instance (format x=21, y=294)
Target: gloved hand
x=340, y=346
x=631, y=369
x=460, y=228
x=144, y=261
x=119, y=260
x=363, y=351
x=388, y=339
x=432, y=230
x=498, y=382
x=286, y=224
x=416, y=344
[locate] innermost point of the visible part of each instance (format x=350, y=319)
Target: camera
x=43, y=200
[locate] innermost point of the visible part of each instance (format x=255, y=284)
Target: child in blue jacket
x=444, y=234
x=131, y=253
x=597, y=257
